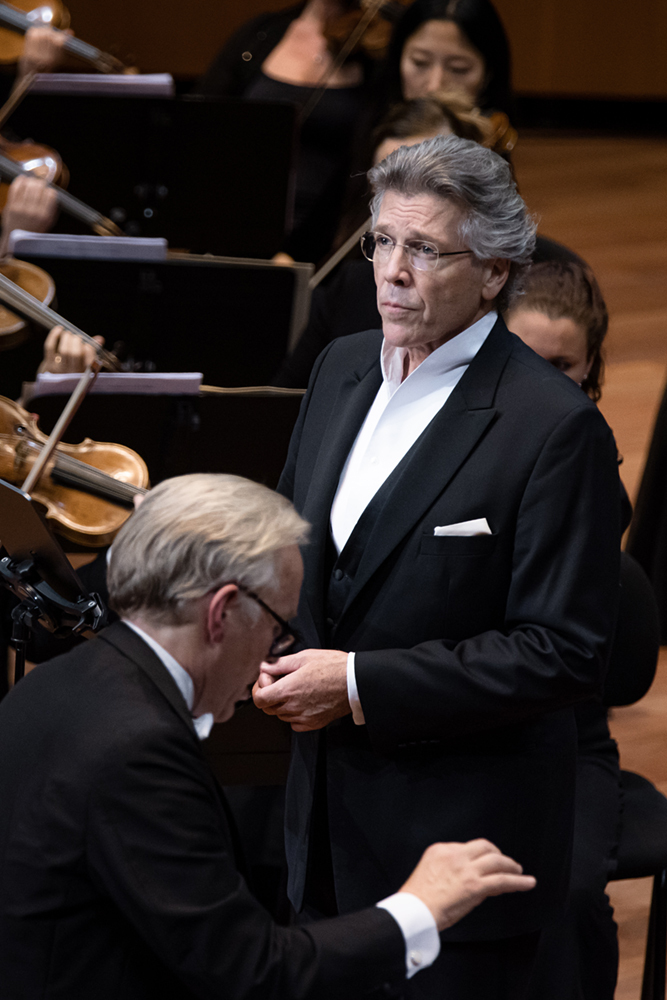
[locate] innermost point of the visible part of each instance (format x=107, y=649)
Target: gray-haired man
x=117, y=873
x=461, y=579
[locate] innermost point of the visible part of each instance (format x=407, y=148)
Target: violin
x=32, y=279
x=87, y=489
x=42, y=161
x=369, y=22
x=100, y=224
x=51, y=13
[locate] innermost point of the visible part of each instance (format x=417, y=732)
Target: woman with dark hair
x=561, y=314
x=450, y=44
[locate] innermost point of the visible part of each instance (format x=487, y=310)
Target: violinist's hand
x=42, y=50
x=30, y=205
x=63, y=352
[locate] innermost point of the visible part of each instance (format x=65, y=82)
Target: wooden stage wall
x=598, y=48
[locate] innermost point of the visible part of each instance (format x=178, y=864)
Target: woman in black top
x=284, y=56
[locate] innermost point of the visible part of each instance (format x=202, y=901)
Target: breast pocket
x=457, y=546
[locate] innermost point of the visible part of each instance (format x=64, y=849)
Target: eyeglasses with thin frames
x=422, y=254
x=287, y=636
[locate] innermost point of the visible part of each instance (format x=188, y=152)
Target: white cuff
x=422, y=942
x=353, y=694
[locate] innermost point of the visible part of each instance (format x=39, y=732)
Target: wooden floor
x=607, y=199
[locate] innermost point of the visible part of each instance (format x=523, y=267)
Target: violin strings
x=72, y=471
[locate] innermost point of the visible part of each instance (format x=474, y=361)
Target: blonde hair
x=191, y=535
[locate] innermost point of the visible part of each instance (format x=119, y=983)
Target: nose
x=440, y=79
x=397, y=267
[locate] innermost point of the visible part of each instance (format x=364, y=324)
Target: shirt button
x=338, y=574
x=330, y=622
x=416, y=959
x=246, y=56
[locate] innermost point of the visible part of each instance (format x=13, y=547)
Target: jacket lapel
x=134, y=648
x=355, y=397
x=438, y=454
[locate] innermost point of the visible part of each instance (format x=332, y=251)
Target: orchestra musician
x=286, y=56
x=450, y=45
x=461, y=580
x=118, y=873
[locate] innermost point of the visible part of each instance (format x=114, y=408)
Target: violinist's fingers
x=31, y=205
x=51, y=348
x=42, y=50
x=282, y=258
x=64, y=352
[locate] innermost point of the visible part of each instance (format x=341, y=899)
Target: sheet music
x=105, y=84
x=138, y=248
x=151, y=384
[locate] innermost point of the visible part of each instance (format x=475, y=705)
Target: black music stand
x=233, y=320
x=36, y=570
x=211, y=175
x=244, y=435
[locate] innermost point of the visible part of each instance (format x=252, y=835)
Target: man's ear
x=220, y=604
x=496, y=273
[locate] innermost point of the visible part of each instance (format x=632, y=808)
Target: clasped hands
x=307, y=689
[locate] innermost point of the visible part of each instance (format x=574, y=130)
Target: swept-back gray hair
x=496, y=222
x=191, y=535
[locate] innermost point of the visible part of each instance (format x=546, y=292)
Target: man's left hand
x=308, y=689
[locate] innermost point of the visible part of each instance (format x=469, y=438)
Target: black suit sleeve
x=559, y=613
x=165, y=860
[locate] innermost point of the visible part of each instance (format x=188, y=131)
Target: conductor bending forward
x=461, y=581
x=117, y=870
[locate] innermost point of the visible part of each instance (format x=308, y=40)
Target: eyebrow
x=414, y=236
x=417, y=50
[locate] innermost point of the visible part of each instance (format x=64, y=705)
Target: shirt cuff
x=353, y=694
x=422, y=942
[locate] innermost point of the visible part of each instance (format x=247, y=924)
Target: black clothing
x=325, y=143
x=322, y=162
x=467, y=650
x=240, y=59
x=647, y=540
x=117, y=869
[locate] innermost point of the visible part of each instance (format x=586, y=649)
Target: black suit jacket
x=469, y=651
x=117, y=876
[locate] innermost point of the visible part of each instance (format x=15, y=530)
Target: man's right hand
x=452, y=879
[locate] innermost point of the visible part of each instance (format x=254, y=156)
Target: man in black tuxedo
x=461, y=580
x=117, y=872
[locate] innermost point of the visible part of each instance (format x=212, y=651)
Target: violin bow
x=29, y=307
x=73, y=403
x=17, y=21
x=372, y=9
x=18, y=92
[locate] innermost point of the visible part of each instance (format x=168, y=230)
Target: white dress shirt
x=400, y=413
x=415, y=920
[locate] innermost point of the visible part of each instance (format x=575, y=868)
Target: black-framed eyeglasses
x=287, y=636
x=422, y=254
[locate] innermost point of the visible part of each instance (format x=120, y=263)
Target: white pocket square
x=478, y=526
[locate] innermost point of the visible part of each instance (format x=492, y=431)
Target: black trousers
x=578, y=954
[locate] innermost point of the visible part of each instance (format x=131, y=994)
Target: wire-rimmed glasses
x=422, y=254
